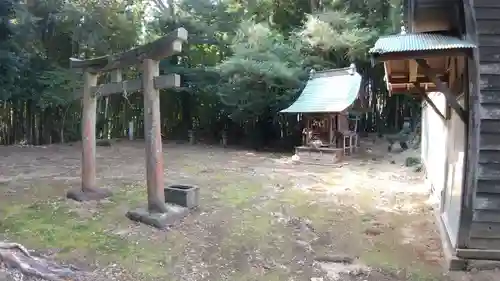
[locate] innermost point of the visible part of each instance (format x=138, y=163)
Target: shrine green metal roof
x=412, y=42
x=328, y=91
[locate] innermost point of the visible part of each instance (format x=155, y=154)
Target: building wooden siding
x=485, y=228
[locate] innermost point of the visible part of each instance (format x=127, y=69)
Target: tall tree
x=245, y=59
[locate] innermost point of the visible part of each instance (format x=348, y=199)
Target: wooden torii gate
x=148, y=56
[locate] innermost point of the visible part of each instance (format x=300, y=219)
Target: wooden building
x=451, y=57
x=325, y=105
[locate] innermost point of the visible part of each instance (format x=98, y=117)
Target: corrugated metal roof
x=418, y=42
x=328, y=91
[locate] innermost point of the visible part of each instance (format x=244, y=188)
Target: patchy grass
x=349, y=228
x=252, y=224
x=238, y=194
x=132, y=195
x=54, y=225
x=253, y=241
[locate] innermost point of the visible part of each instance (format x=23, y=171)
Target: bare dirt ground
x=262, y=217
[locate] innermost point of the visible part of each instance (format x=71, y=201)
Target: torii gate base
x=173, y=214
x=80, y=195
x=158, y=213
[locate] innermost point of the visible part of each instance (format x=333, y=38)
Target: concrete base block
x=451, y=261
x=81, y=195
x=158, y=220
x=454, y=263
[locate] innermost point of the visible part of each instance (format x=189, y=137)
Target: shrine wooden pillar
x=152, y=135
x=88, y=168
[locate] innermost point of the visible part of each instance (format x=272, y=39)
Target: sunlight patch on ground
x=335, y=271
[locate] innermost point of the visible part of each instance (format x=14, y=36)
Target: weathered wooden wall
x=433, y=15
x=485, y=228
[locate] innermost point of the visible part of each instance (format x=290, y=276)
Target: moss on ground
x=53, y=224
x=247, y=217
x=239, y=194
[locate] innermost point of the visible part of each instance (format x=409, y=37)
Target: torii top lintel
x=164, y=47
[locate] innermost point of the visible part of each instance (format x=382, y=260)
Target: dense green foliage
x=246, y=60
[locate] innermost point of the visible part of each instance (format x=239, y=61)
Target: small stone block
x=158, y=220
x=182, y=195
x=453, y=263
x=81, y=195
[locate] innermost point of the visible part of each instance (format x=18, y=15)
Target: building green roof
x=328, y=91
x=412, y=42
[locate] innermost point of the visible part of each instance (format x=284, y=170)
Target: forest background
x=244, y=62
